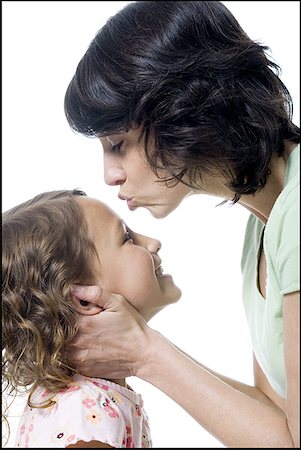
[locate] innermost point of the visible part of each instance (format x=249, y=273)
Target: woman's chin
x=160, y=211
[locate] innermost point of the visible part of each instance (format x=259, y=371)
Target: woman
x=184, y=102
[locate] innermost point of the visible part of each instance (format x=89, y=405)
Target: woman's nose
x=114, y=174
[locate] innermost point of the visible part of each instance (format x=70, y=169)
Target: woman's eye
x=128, y=237
x=116, y=148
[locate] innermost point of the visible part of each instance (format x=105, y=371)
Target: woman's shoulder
x=252, y=237
x=284, y=218
x=285, y=215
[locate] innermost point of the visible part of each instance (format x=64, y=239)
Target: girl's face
x=124, y=165
x=128, y=263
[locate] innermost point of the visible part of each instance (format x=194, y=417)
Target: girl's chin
x=174, y=298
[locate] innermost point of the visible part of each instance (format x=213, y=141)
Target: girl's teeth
x=159, y=271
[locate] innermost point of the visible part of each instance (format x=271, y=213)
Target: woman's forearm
x=237, y=415
x=251, y=391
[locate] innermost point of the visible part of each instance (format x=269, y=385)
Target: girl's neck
x=120, y=381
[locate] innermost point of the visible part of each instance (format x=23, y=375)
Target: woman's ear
x=86, y=308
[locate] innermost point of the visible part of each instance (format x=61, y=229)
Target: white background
x=43, y=42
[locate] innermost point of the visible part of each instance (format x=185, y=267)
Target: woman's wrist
x=151, y=357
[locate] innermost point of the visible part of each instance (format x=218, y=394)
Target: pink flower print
x=112, y=413
x=116, y=398
x=89, y=402
x=45, y=393
x=138, y=410
x=22, y=431
x=71, y=388
x=30, y=427
x=144, y=441
x=27, y=441
x=93, y=416
x=129, y=442
x=58, y=436
x=102, y=386
x=70, y=438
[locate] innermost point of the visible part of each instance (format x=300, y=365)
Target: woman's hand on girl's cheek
x=112, y=343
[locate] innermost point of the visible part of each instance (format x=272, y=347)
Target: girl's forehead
x=95, y=210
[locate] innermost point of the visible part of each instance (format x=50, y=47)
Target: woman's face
x=128, y=263
x=124, y=165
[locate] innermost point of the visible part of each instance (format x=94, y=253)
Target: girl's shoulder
x=89, y=409
x=82, y=394
x=86, y=391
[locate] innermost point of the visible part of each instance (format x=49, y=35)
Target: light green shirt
x=281, y=244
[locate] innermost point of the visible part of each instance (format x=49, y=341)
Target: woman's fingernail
x=77, y=289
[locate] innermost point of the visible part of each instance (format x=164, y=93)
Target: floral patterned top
x=90, y=409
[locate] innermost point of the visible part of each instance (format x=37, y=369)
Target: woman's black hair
x=188, y=76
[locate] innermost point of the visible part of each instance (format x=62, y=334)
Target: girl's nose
x=153, y=245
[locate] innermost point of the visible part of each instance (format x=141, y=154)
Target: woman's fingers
x=96, y=295
x=112, y=342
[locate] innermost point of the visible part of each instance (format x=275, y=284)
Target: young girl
x=51, y=242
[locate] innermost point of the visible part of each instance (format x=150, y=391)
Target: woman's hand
x=113, y=343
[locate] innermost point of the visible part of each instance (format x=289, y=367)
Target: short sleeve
x=100, y=420
x=287, y=264
x=77, y=415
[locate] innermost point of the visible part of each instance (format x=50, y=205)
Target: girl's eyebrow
x=120, y=227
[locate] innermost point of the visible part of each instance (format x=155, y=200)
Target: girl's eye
x=128, y=237
x=117, y=148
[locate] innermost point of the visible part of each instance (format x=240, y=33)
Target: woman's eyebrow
x=110, y=141
x=115, y=137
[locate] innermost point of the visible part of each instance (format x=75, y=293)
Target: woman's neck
x=262, y=202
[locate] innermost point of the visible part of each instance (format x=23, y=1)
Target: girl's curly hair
x=189, y=77
x=45, y=249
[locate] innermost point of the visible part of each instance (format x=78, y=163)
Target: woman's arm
x=291, y=331
x=255, y=391
x=120, y=343
x=235, y=418
x=236, y=414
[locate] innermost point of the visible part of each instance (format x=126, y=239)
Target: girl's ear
x=86, y=308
